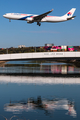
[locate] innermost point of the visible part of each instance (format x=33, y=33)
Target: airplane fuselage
x=31, y=18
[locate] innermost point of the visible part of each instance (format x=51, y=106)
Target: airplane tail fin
x=70, y=13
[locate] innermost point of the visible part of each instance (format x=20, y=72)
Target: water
x=39, y=67
x=39, y=97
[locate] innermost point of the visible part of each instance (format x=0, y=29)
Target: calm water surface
x=39, y=98
x=39, y=67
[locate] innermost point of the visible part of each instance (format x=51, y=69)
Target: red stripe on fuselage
x=51, y=16
x=24, y=14
x=31, y=16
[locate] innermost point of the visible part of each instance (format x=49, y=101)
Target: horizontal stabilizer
x=71, y=18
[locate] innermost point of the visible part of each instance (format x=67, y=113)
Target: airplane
x=31, y=18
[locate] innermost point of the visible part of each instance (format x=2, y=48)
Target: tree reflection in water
x=48, y=105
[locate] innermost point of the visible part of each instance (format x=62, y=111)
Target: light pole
x=7, y=50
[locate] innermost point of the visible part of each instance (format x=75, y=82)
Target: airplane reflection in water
x=49, y=106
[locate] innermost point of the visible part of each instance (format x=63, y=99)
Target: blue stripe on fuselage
x=23, y=18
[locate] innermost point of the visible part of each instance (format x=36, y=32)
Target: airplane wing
x=39, y=17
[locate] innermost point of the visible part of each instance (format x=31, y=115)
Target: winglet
x=51, y=10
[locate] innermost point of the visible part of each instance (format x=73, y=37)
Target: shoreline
x=42, y=75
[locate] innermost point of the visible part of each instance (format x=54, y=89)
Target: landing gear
x=9, y=20
x=38, y=23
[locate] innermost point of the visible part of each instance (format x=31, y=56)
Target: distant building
x=49, y=44
x=21, y=46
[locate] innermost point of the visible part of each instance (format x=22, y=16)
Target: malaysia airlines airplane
x=31, y=18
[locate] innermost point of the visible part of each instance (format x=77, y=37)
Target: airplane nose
x=3, y=15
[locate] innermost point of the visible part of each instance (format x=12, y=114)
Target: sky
x=15, y=33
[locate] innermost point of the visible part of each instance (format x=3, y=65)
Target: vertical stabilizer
x=70, y=13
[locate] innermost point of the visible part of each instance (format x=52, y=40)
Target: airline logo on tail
x=69, y=13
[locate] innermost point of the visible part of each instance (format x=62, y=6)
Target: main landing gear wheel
x=38, y=23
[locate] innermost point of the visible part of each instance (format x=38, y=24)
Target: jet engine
x=29, y=20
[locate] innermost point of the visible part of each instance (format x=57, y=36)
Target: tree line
x=22, y=50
